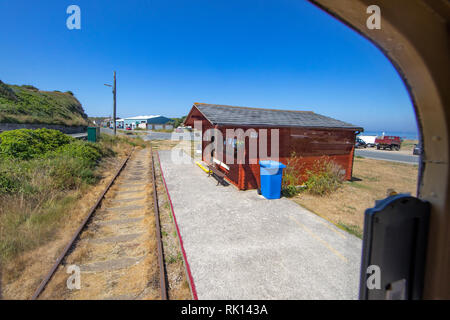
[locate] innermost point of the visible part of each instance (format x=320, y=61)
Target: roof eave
x=284, y=126
x=190, y=112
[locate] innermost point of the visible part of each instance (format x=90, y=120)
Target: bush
x=8, y=184
x=25, y=144
x=289, y=191
x=85, y=151
x=325, y=177
x=291, y=176
x=69, y=172
x=72, y=164
x=46, y=160
x=15, y=177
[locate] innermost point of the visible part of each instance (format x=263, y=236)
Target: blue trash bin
x=271, y=173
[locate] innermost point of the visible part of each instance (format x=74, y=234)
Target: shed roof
x=244, y=116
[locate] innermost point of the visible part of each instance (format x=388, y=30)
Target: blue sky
x=168, y=54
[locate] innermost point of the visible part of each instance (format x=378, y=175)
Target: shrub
x=291, y=176
x=325, y=177
x=69, y=172
x=8, y=184
x=85, y=151
x=289, y=191
x=15, y=177
x=25, y=144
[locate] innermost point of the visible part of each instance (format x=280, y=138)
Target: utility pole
x=114, y=99
x=114, y=93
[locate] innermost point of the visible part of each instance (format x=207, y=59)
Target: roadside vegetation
x=42, y=175
x=28, y=104
x=372, y=180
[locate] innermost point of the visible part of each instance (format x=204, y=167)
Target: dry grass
x=371, y=180
x=408, y=145
x=21, y=275
x=164, y=144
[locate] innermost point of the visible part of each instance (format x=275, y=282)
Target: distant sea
x=403, y=135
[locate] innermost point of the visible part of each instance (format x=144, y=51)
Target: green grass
x=368, y=178
x=27, y=104
x=174, y=259
x=353, y=229
x=358, y=185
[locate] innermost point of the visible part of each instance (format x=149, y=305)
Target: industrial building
x=155, y=122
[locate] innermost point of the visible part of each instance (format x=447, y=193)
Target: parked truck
x=388, y=142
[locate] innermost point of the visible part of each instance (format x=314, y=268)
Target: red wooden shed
x=307, y=134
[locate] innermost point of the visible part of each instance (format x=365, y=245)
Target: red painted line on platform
x=191, y=279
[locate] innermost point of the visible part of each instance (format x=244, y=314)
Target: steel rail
x=77, y=233
x=180, y=239
x=162, y=273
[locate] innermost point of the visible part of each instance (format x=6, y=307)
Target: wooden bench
x=216, y=172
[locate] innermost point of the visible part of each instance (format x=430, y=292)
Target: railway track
x=117, y=252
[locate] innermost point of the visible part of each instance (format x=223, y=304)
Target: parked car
x=128, y=128
x=417, y=149
x=360, y=143
x=388, y=142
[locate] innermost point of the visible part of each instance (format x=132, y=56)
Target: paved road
x=241, y=246
x=387, y=155
x=111, y=131
x=167, y=136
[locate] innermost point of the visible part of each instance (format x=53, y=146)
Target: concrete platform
x=241, y=246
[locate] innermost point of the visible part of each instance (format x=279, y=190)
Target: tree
x=178, y=121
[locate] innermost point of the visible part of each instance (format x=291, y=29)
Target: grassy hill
x=27, y=104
